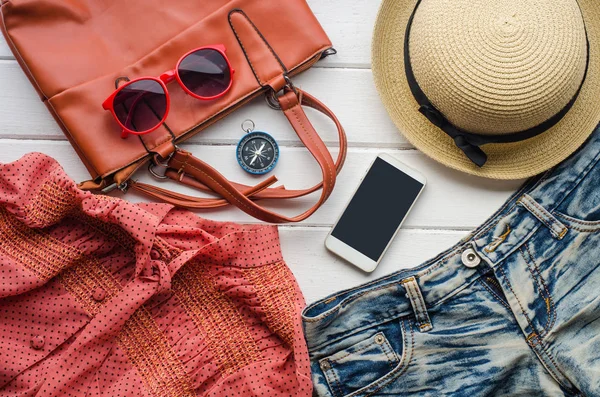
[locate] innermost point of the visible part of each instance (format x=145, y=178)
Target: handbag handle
x=187, y=169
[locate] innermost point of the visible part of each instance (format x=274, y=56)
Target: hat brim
x=505, y=161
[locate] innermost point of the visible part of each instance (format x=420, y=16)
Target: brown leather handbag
x=74, y=52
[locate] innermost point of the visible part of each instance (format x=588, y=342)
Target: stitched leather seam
x=227, y=108
x=283, y=68
x=264, y=40
x=252, y=210
x=150, y=151
x=294, y=110
x=244, y=50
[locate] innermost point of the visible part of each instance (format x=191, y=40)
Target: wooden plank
x=321, y=273
x=348, y=23
x=451, y=199
x=349, y=93
x=5, y=52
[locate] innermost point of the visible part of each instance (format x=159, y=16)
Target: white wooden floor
x=451, y=205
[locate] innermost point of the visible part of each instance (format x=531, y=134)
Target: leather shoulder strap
x=186, y=168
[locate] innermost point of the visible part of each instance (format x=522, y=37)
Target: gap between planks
x=413, y=229
x=328, y=65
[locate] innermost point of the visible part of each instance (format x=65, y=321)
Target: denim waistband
x=440, y=278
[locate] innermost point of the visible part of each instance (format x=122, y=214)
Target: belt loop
x=557, y=228
x=413, y=292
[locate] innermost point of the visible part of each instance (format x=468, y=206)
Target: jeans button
x=470, y=258
x=325, y=366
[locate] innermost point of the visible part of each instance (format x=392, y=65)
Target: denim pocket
x=372, y=362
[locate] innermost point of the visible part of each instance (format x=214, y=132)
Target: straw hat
x=503, y=89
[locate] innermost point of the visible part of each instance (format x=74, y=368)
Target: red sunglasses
x=141, y=106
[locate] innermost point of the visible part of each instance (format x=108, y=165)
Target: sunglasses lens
x=205, y=72
x=141, y=106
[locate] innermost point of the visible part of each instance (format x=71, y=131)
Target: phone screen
x=377, y=209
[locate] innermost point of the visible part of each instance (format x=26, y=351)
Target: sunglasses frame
x=164, y=79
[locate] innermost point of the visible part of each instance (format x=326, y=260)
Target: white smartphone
x=376, y=212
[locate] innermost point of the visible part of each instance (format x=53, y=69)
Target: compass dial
x=258, y=153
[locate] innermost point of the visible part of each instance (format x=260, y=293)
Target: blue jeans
x=512, y=310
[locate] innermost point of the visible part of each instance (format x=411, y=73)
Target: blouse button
x=154, y=255
x=99, y=295
x=38, y=342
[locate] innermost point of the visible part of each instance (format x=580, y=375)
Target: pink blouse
x=101, y=297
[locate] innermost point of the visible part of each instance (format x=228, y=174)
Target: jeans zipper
x=493, y=284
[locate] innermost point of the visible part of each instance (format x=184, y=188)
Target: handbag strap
x=189, y=170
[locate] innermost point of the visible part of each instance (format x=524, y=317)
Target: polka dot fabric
x=101, y=297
